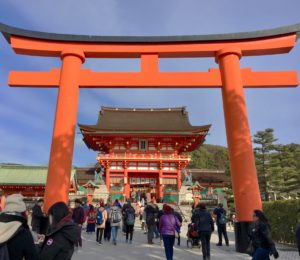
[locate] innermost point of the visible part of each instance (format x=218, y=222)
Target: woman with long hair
x=261, y=238
x=63, y=234
x=91, y=220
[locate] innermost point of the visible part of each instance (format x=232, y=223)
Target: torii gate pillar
x=60, y=162
x=242, y=162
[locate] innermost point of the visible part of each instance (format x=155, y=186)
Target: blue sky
x=27, y=115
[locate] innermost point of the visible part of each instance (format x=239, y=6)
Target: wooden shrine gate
x=226, y=49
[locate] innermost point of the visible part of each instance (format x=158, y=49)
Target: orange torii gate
x=226, y=49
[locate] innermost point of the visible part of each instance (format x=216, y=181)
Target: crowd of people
x=63, y=234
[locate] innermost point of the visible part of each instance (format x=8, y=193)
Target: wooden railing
x=143, y=156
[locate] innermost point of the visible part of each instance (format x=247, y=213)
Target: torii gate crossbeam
x=226, y=49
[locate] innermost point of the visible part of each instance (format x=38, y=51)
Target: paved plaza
x=139, y=249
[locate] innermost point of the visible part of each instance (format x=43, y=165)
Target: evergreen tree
x=285, y=176
x=263, y=156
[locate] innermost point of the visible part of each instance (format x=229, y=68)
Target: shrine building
x=143, y=150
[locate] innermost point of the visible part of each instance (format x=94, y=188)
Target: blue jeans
x=261, y=254
x=114, y=233
x=168, y=244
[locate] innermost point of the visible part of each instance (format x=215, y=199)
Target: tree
x=263, y=155
x=284, y=170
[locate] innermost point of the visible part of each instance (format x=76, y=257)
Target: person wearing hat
x=16, y=241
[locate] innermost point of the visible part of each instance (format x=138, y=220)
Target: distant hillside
x=210, y=156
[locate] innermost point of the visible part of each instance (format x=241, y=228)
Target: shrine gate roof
x=11, y=174
x=8, y=31
x=144, y=120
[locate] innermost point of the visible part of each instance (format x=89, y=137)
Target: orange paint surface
x=60, y=162
x=242, y=162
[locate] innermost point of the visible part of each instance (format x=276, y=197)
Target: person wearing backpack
x=100, y=222
x=220, y=214
x=16, y=241
x=129, y=219
x=205, y=226
x=115, y=221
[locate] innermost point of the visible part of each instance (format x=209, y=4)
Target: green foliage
x=284, y=217
x=284, y=170
x=263, y=154
x=209, y=157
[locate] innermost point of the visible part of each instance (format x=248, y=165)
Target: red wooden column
x=3, y=197
x=126, y=184
x=107, y=176
x=178, y=179
x=242, y=163
x=160, y=180
x=60, y=162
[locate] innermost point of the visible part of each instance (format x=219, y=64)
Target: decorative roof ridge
x=171, y=109
x=8, y=31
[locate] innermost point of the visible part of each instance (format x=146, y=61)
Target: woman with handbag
x=168, y=226
x=261, y=243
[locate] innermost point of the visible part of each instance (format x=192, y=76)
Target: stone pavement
x=139, y=249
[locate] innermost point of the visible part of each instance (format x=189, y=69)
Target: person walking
x=115, y=220
x=129, y=219
x=91, y=220
x=261, y=238
x=62, y=236
x=107, y=229
x=151, y=215
x=179, y=217
x=37, y=216
x=78, y=218
x=221, y=220
x=168, y=226
x=100, y=222
x=205, y=226
x=16, y=241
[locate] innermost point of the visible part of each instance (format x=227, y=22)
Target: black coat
x=59, y=243
x=203, y=220
x=20, y=245
x=261, y=236
x=37, y=216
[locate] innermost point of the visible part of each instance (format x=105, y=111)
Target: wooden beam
x=210, y=79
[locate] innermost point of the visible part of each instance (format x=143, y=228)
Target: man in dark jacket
x=16, y=239
x=179, y=217
x=220, y=213
x=37, y=216
x=78, y=218
x=151, y=216
x=205, y=226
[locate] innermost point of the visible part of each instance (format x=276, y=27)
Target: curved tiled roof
x=143, y=120
x=11, y=174
x=7, y=31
